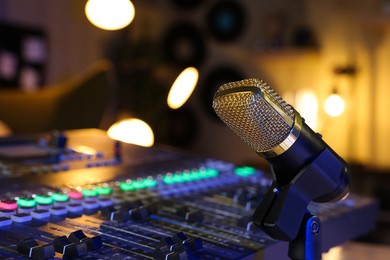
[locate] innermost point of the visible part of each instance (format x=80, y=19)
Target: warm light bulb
x=133, y=131
x=183, y=87
x=110, y=14
x=307, y=105
x=84, y=149
x=334, y=105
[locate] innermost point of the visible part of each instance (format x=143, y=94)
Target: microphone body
x=305, y=150
x=303, y=166
x=306, y=147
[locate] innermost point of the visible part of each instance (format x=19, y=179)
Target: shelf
x=288, y=53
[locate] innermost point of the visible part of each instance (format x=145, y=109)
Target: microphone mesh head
x=255, y=112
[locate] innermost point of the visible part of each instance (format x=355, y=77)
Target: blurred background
x=329, y=59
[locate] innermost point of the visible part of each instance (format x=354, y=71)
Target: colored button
x=43, y=206
x=91, y=205
x=26, y=210
x=7, y=213
x=5, y=221
x=188, y=176
x=210, y=173
x=26, y=202
x=77, y=195
x=60, y=203
x=126, y=186
x=244, y=171
x=62, y=197
x=138, y=184
x=104, y=202
x=103, y=190
x=58, y=211
x=40, y=214
x=75, y=208
x=44, y=199
x=90, y=193
x=8, y=204
x=21, y=217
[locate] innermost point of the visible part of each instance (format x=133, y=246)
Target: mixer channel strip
x=200, y=212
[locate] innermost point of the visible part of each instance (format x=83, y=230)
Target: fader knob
x=30, y=248
x=64, y=246
x=93, y=243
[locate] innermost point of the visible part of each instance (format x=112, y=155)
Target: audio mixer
x=80, y=195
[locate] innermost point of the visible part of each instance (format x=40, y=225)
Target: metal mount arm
x=307, y=244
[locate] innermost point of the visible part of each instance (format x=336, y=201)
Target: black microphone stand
x=307, y=244
x=283, y=214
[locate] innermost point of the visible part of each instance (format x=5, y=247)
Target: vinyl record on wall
x=183, y=45
x=187, y=4
x=213, y=80
x=226, y=20
x=23, y=56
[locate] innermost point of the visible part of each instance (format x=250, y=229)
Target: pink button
x=8, y=205
x=75, y=195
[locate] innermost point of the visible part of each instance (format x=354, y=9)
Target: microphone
x=304, y=168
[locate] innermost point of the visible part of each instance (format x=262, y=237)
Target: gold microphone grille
x=255, y=112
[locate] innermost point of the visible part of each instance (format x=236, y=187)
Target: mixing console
x=87, y=197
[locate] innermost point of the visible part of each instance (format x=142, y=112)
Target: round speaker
x=187, y=4
x=213, y=80
x=183, y=45
x=226, y=20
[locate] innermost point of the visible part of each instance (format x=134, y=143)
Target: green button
x=126, y=186
x=150, y=182
x=138, y=184
x=168, y=179
x=43, y=199
x=245, y=171
x=144, y=183
x=104, y=190
x=211, y=173
x=26, y=202
x=89, y=193
x=187, y=176
x=196, y=175
x=178, y=178
x=61, y=197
